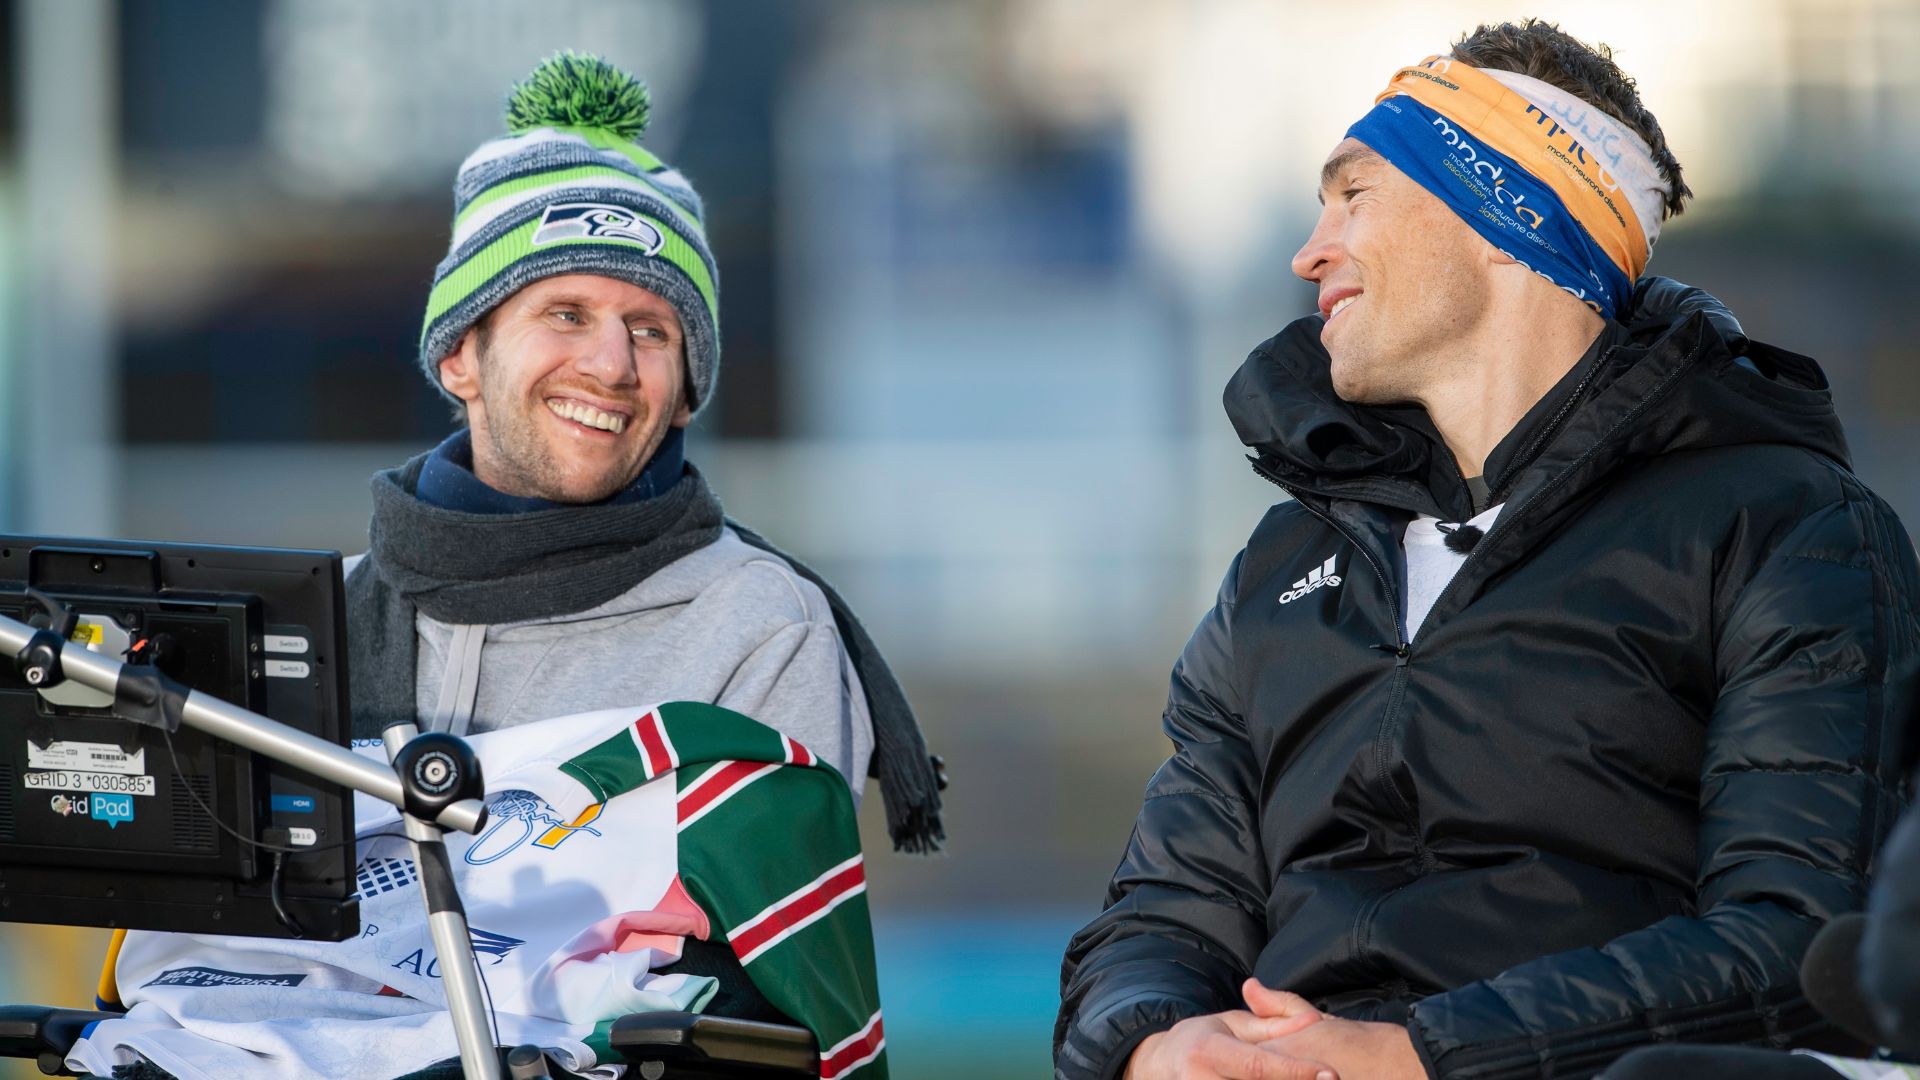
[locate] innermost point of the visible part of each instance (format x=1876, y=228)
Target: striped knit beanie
x=571, y=191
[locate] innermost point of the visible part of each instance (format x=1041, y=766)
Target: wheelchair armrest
x=690, y=1045
x=44, y=1033
x=697, y=1046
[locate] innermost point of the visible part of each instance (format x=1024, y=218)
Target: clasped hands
x=1279, y=1036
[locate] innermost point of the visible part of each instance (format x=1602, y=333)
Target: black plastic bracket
x=437, y=770
x=705, y=1047
x=145, y=695
x=436, y=878
x=39, y=662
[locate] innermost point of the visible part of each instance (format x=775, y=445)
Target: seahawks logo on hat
x=597, y=221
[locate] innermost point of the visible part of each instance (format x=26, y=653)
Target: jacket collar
x=1672, y=379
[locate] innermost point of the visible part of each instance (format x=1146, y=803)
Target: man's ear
x=683, y=414
x=460, y=369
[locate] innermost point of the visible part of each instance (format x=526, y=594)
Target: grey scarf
x=492, y=568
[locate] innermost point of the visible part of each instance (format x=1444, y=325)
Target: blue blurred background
x=986, y=267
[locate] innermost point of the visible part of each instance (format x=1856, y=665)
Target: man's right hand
x=1222, y=1046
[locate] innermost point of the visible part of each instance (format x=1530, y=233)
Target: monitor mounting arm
x=434, y=779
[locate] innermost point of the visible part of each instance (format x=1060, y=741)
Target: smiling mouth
x=1341, y=306
x=586, y=415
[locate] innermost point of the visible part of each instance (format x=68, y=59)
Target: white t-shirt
x=1431, y=563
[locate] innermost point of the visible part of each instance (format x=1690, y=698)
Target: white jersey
x=571, y=904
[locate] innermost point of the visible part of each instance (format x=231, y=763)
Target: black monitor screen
x=107, y=823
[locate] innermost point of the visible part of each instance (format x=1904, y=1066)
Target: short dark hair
x=1541, y=50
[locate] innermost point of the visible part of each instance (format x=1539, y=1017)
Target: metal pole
x=447, y=923
x=453, y=944
x=309, y=753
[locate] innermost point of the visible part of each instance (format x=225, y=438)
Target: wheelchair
x=744, y=1038
x=744, y=1035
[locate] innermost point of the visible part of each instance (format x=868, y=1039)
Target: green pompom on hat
x=571, y=191
x=571, y=90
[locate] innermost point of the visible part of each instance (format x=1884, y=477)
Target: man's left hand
x=1356, y=1049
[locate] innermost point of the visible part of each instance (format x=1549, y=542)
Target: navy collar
x=447, y=480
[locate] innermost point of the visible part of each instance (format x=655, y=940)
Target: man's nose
x=1321, y=251
x=607, y=355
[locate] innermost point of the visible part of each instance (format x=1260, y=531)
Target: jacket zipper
x=1403, y=651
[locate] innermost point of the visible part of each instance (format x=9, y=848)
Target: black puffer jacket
x=1644, y=745
x=1890, y=947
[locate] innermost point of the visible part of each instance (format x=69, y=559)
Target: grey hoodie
x=729, y=624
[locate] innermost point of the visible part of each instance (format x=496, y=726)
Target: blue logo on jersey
x=494, y=945
x=519, y=816
x=597, y=221
x=378, y=876
x=484, y=943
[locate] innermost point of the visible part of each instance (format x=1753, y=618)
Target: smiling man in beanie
x=559, y=557
x=559, y=553
x=1562, y=702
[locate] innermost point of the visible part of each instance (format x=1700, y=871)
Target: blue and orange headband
x=1562, y=187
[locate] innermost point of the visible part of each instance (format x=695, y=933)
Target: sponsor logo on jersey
x=378, y=876
x=421, y=961
x=209, y=977
x=520, y=816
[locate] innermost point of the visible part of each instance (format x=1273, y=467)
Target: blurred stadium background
x=986, y=268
